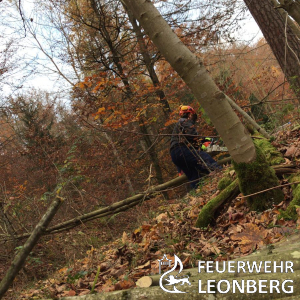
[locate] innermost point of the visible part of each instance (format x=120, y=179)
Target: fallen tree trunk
x=207, y=214
x=129, y=203
x=209, y=211
x=20, y=258
x=112, y=209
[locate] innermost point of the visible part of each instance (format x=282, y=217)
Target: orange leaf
x=101, y=109
x=170, y=122
x=124, y=284
x=72, y=293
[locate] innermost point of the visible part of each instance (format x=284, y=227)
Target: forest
x=91, y=91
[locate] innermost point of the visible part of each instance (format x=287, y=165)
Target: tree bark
x=20, y=258
x=280, y=37
x=283, y=12
x=190, y=68
x=292, y=8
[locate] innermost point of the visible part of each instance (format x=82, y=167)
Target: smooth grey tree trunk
x=191, y=69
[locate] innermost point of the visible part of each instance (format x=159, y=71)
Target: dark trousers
x=190, y=162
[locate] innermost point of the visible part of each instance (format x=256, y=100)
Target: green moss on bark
x=273, y=156
x=224, y=182
x=258, y=176
x=207, y=213
x=290, y=213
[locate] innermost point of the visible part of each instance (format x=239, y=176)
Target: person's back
x=184, y=148
x=184, y=132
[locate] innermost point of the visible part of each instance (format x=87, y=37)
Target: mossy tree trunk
x=290, y=213
x=252, y=177
x=258, y=176
x=207, y=214
x=282, y=40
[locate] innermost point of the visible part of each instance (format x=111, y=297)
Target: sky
x=249, y=32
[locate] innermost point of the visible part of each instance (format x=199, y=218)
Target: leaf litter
x=237, y=232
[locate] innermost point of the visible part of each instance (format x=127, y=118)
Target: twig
x=22, y=16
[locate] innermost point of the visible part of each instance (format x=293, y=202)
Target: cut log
x=145, y=281
x=153, y=280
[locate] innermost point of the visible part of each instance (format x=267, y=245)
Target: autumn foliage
x=110, y=140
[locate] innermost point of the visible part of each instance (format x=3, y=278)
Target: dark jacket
x=184, y=133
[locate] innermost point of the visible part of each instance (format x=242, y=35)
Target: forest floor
x=169, y=229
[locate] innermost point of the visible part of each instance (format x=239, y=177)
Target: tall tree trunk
x=152, y=153
x=215, y=103
x=280, y=37
x=129, y=94
x=191, y=70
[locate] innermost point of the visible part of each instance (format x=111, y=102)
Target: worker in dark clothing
x=185, y=148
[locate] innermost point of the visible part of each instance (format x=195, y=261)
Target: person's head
x=187, y=112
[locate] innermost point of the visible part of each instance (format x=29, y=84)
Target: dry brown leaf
x=83, y=292
x=249, y=238
x=146, y=265
x=116, y=273
x=194, y=212
x=104, y=266
x=71, y=293
x=292, y=151
x=124, y=284
x=61, y=288
x=162, y=217
x=265, y=217
x=124, y=238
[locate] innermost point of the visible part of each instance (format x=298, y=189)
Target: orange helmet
x=186, y=109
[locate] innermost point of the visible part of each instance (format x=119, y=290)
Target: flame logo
x=176, y=263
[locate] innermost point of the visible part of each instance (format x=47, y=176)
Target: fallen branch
x=111, y=209
x=20, y=258
x=126, y=204
x=207, y=214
